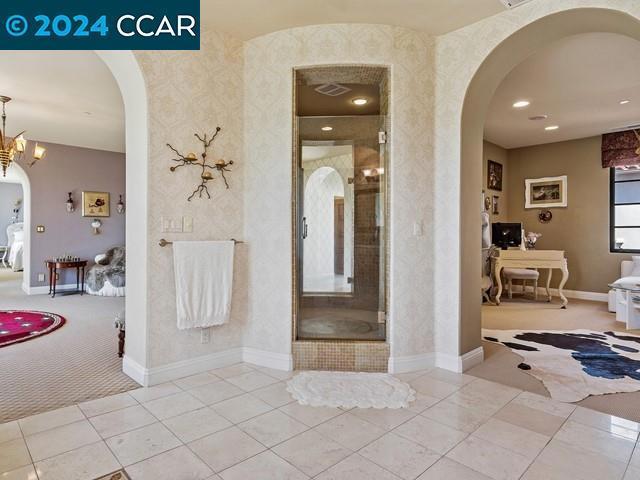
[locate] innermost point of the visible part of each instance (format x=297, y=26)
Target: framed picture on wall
x=547, y=192
x=495, y=207
x=494, y=175
x=95, y=204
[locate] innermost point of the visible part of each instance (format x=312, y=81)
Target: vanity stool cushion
x=520, y=274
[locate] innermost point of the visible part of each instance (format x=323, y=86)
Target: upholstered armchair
x=107, y=276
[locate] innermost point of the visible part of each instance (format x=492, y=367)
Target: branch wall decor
x=206, y=174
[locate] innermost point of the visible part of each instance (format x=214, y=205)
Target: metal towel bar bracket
x=164, y=243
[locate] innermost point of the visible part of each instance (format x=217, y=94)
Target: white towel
x=204, y=278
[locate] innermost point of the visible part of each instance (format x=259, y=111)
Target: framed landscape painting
x=547, y=192
x=95, y=204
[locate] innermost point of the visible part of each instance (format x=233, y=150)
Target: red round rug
x=22, y=325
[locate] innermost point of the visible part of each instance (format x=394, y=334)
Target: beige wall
x=581, y=229
x=491, y=151
x=193, y=92
x=269, y=61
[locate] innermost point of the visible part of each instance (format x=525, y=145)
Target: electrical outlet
x=57, y=277
x=205, y=335
x=41, y=277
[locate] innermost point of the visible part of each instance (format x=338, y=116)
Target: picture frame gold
x=96, y=204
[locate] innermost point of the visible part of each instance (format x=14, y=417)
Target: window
x=624, y=224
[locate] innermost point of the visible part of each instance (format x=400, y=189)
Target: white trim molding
x=184, y=368
x=577, y=294
x=411, y=363
x=276, y=361
x=461, y=363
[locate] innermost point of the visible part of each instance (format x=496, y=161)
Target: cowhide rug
x=577, y=363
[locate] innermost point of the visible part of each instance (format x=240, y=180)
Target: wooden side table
x=54, y=266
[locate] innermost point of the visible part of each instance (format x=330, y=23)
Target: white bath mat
x=574, y=364
x=350, y=389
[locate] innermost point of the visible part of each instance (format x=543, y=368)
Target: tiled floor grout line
x=251, y=394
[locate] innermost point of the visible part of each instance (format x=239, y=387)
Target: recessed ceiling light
x=551, y=127
x=521, y=104
x=360, y=101
x=327, y=128
x=624, y=102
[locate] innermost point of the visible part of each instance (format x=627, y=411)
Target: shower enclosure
x=340, y=214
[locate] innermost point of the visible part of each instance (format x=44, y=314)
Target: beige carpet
x=501, y=363
x=75, y=363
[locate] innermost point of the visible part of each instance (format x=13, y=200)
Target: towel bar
x=164, y=243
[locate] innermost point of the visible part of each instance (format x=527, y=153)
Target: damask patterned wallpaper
x=247, y=89
x=193, y=92
x=269, y=63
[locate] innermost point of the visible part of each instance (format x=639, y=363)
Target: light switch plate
x=187, y=224
x=171, y=224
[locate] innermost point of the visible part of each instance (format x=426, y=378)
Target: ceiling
x=251, y=18
x=317, y=152
x=65, y=97
x=578, y=82
x=312, y=103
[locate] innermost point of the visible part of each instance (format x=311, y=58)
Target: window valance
x=621, y=149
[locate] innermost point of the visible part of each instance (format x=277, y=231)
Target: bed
x=15, y=236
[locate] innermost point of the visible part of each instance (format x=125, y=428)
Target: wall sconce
x=96, y=224
x=191, y=159
x=39, y=152
x=372, y=174
x=120, y=205
x=70, y=205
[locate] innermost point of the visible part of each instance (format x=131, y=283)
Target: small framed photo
x=547, y=192
x=494, y=175
x=495, y=207
x=95, y=204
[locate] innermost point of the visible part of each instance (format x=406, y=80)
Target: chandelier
x=12, y=149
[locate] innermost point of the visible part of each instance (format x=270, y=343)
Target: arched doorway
x=486, y=79
x=128, y=75
x=18, y=176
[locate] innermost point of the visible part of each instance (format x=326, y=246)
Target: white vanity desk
x=545, y=259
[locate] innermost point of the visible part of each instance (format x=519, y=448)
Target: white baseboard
x=44, y=289
x=184, y=368
x=460, y=363
x=577, y=294
x=277, y=361
x=411, y=363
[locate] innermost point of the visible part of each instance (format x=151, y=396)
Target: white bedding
x=15, y=235
x=15, y=256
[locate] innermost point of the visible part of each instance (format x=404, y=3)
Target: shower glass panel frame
x=357, y=312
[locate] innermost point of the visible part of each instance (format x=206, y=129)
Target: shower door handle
x=304, y=227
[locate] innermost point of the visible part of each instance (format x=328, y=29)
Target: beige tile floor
x=239, y=423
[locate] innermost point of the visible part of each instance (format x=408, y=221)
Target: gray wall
x=72, y=169
x=9, y=193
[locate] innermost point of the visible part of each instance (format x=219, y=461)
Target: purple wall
x=72, y=169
